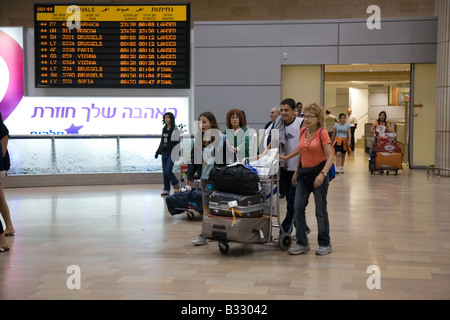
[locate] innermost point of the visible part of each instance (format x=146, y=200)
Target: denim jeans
x=168, y=175
x=302, y=194
x=288, y=222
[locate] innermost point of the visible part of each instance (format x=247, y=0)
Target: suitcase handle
x=226, y=205
x=233, y=203
x=261, y=234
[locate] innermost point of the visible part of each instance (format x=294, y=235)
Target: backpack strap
x=320, y=137
x=302, y=131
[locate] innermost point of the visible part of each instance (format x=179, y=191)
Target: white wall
x=359, y=103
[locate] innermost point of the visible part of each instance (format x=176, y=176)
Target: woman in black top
x=165, y=149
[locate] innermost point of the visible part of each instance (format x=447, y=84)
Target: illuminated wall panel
x=112, y=45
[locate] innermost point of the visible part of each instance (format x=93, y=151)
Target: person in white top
x=329, y=120
x=274, y=113
x=353, y=122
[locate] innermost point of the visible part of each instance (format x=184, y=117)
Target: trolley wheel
x=284, y=241
x=224, y=247
x=190, y=215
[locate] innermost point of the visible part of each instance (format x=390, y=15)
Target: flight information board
x=112, y=45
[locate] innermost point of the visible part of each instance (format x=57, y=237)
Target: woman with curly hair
x=237, y=134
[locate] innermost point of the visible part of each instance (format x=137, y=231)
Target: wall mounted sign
x=112, y=45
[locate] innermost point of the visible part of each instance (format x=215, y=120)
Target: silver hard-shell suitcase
x=244, y=206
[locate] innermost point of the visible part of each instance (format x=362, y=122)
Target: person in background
x=274, y=113
x=341, y=137
x=353, y=122
x=299, y=109
x=194, y=171
x=329, y=121
x=314, y=160
x=381, y=121
x=239, y=142
x=165, y=149
x=4, y=168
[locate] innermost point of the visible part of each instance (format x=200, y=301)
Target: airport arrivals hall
x=108, y=109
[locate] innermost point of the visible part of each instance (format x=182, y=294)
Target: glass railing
x=79, y=154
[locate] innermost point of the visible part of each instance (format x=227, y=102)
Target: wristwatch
x=324, y=173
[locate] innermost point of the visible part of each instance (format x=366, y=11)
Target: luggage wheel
x=284, y=241
x=224, y=247
x=190, y=215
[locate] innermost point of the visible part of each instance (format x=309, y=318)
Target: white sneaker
x=199, y=241
x=298, y=249
x=324, y=250
x=342, y=169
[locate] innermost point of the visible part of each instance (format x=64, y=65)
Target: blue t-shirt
x=341, y=130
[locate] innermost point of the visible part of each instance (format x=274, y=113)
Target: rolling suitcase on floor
x=389, y=161
x=254, y=230
x=245, y=206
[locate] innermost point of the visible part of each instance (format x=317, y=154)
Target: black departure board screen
x=112, y=45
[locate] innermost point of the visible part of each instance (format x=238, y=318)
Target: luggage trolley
x=251, y=230
x=385, y=155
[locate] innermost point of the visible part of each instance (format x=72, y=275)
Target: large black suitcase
x=245, y=206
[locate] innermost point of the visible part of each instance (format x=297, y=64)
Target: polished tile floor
x=389, y=233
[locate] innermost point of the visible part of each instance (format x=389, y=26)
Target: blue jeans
x=169, y=176
x=288, y=222
x=302, y=193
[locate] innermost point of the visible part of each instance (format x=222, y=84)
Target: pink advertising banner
x=76, y=114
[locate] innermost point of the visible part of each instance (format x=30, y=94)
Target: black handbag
x=236, y=179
